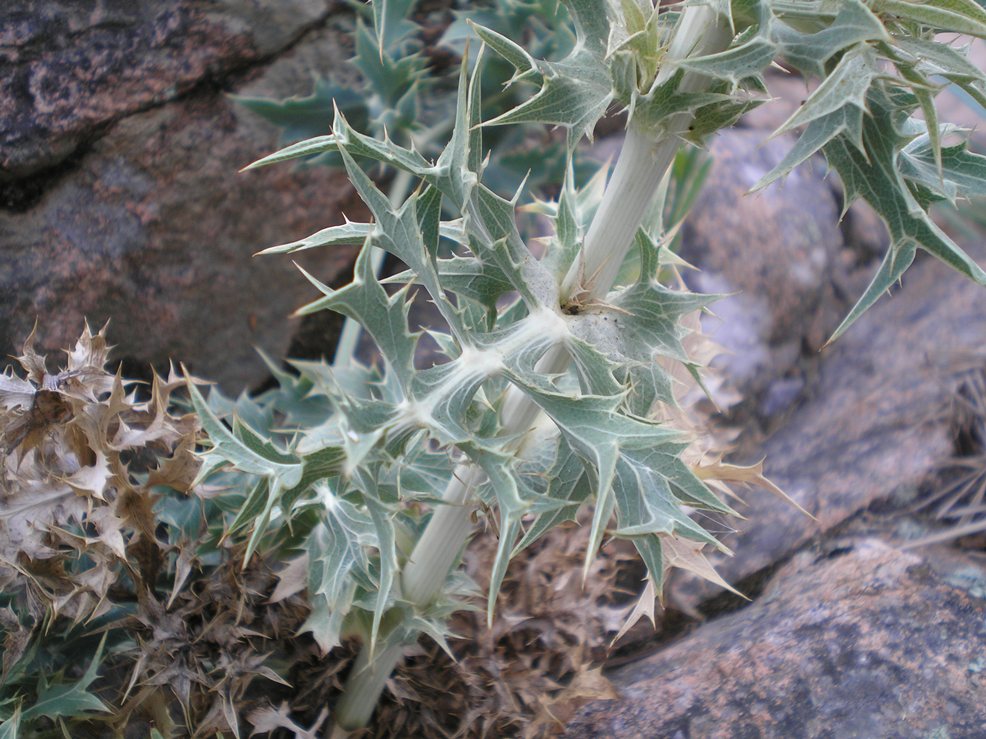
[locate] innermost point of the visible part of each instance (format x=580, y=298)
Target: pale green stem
x=363, y=688
x=636, y=179
x=644, y=160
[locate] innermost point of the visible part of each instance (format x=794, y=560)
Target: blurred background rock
x=119, y=192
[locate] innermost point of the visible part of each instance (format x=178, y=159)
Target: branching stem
x=636, y=180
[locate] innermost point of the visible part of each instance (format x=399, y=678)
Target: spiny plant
x=122, y=608
x=560, y=373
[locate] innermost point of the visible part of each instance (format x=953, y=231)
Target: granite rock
x=772, y=253
x=68, y=68
x=155, y=230
x=874, y=423
x=860, y=641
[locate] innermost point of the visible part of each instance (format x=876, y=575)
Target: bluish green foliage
x=394, y=91
x=394, y=433
x=626, y=461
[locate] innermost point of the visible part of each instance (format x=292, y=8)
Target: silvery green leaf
x=568, y=228
x=514, y=499
x=495, y=238
x=847, y=85
x=10, y=727
x=665, y=100
x=846, y=122
x=307, y=148
x=390, y=22
x=393, y=83
x=423, y=473
x=458, y=167
x=855, y=23
x=468, y=277
x=594, y=369
x=346, y=234
x=561, y=472
x=511, y=52
x=384, y=317
x=575, y=91
x=639, y=320
x=717, y=115
x=962, y=173
x=591, y=24
x=403, y=232
x=932, y=57
x=255, y=459
x=68, y=699
x=734, y=64
x=599, y=434
x=386, y=543
x=336, y=562
x=876, y=178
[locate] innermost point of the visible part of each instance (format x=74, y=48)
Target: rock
x=869, y=642
x=70, y=67
x=775, y=249
x=156, y=230
x=876, y=422
x=781, y=395
x=865, y=232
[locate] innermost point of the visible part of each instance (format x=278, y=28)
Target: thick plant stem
x=637, y=176
x=433, y=557
x=642, y=165
x=643, y=162
x=363, y=688
x=442, y=541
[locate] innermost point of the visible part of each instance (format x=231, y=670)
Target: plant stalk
x=636, y=179
x=642, y=164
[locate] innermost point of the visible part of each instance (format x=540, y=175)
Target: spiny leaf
x=957, y=173
x=847, y=85
x=875, y=177
x=386, y=543
x=10, y=728
x=336, y=560
x=384, y=317
x=575, y=91
x=390, y=21
x=255, y=459
x=809, y=52
x=69, y=699
x=735, y=64
x=846, y=122
x=960, y=16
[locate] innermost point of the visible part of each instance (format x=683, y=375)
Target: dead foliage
x=123, y=590
x=122, y=608
x=958, y=488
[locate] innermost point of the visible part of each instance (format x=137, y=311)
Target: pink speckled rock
x=772, y=253
x=70, y=67
x=154, y=229
x=869, y=643
x=874, y=424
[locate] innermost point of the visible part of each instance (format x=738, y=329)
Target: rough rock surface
x=155, y=229
x=874, y=424
x=773, y=252
x=68, y=67
x=862, y=641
